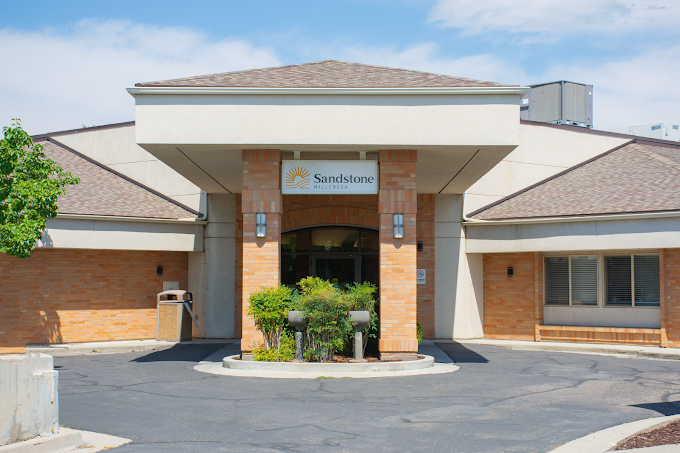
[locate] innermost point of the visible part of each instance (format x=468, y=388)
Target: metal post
x=298, y=345
x=358, y=345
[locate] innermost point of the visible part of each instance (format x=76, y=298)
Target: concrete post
x=211, y=273
x=458, y=276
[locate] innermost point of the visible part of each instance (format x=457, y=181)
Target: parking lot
x=499, y=401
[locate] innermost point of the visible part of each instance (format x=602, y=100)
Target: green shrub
x=269, y=309
x=359, y=296
x=419, y=332
x=311, y=285
x=328, y=322
x=285, y=352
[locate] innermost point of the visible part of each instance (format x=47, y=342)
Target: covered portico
x=431, y=137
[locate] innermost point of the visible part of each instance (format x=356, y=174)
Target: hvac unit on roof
x=559, y=102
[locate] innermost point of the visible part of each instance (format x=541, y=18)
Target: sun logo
x=297, y=178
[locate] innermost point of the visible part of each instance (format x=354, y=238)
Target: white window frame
x=599, y=285
x=603, y=295
x=601, y=278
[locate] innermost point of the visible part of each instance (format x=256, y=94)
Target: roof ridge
x=290, y=75
x=550, y=178
x=82, y=129
x=120, y=175
x=663, y=159
x=587, y=130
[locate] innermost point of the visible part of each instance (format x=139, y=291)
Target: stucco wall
x=328, y=119
x=117, y=148
x=542, y=152
x=122, y=235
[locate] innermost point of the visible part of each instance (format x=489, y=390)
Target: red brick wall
x=69, y=296
x=398, y=293
x=425, y=233
x=509, y=302
x=261, y=262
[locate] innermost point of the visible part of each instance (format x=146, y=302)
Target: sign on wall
x=307, y=177
x=420, y=277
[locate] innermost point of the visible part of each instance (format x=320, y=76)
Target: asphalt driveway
x=499, y=401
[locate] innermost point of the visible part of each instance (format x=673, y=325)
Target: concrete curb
x=580, y=348
x=63, y=441
x=607, y=439
x=233, y=363
x=217, y=368
x=114, y=347
x=442, y=364
x=67, y=440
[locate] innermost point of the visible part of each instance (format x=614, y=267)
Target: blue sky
x=71, y=60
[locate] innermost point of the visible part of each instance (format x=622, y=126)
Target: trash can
x=174, y=315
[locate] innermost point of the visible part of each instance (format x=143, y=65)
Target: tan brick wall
x=398, y=259
x=238, y=268
x=301, y=211
x=69, y=296
x=261, y=262
x=509, y=302
x=671, y=292
x=425, y=233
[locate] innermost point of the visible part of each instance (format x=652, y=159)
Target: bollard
x=360, y=319
x=296, y=320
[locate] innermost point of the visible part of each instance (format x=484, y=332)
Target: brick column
x=261, y=256
x=398, y=257
x=663, y=301
x=538, y=295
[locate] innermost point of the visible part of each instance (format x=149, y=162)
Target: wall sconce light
x=261, y=225
x=420, y=246
x=159, y=270
x=510, y=271
x=398, y=224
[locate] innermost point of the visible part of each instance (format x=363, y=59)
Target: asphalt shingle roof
x=324, y=74
x=635, y=178
x=103, y=192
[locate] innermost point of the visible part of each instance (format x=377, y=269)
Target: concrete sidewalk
x=114, y=347
x=581, y=348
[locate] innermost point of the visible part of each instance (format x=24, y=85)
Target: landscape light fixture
x=398, y=224
x=261, y=225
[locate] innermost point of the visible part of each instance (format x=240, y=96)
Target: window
x=571, y=280
x=632, y=280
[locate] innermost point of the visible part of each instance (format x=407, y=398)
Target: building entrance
x=349, y=254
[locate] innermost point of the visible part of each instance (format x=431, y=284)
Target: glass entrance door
x=346, y=268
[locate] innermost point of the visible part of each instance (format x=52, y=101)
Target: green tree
x=29, y=187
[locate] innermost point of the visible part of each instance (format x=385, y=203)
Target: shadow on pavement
x=668, y=408
x=181, y=353
x=460, y=354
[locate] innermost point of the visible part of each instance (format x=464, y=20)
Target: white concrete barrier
x=29, y=400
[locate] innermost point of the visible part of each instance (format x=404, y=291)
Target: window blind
x=584, y=280
x=619, y=281
x=647, y=290
x=557, y=281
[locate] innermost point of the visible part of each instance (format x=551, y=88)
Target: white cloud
x=641, y=89
x=426, y=57
x=548, y=20
x=63, y=79
x=638, y=89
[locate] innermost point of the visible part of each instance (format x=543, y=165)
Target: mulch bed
x=666, y=435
